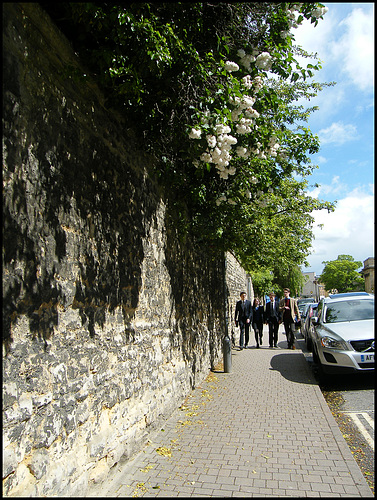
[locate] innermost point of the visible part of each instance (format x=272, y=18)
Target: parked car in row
x=301, y=302
x=342, y=337
x=303, y=307
x=306, y=310
x=306, y=325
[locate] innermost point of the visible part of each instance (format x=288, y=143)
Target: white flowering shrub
x=239, y=119
x=207, y=90
x=222, y=145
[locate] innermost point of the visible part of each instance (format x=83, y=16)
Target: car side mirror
x=314, y=320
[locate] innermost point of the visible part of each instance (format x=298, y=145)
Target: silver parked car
x=342, y=337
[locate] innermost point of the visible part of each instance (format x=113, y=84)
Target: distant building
x=312, y=287
x=368, y=273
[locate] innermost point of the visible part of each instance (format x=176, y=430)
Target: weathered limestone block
x=10, y=461
x=100, y=471
x=24, y=484
x=38, y=463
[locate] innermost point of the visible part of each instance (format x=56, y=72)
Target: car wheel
x=315, y=356
x=320, y=374
x=308, y=342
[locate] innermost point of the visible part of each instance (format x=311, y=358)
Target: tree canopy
x=342, y=275
x=214, y=92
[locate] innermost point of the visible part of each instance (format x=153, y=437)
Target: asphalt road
x=351, y=401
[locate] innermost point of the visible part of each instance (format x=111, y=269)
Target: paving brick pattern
x=263, y=430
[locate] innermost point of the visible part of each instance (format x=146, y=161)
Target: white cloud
x=343, y=40
x=335, y=188
x=321, y=160
x=355, y=49
x=338, y=133
x=314, y=39
x=348, y=230
x=364, y=107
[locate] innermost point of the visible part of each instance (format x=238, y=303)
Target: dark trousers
x=289, y=326
x=244, y=331
x=258, y=331
x=247, y=330
x=273, y=328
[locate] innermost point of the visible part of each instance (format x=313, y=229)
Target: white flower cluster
x=246, y=59
x=258, y=83
x=273, y=146
x=223, y=198
x=245, y=108
x=247, y=81
x=319, y=11
x=292, y=21
x=231, y=66
x=244, y=126
x=264, y=61
x=291, y=13
x=195, y=133
x=218, y=150
x=272, y=150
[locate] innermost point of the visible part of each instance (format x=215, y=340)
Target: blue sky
x=344, y=42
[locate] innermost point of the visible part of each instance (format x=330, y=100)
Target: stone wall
x=237, y=281
x=109, y=318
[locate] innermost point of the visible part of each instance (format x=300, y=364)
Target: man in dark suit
x=272, y=318
x=242, y=317
x=289, y=311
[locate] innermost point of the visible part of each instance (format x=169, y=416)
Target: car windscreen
x=350, y=310
x=301, y=302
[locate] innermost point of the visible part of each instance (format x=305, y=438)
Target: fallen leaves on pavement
x=165, y=452
x=347, y=429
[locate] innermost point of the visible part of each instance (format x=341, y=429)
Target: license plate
x=366, y=357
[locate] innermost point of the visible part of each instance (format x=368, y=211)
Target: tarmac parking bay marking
x=361, y=427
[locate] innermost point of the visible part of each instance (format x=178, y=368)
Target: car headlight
x=334, y=344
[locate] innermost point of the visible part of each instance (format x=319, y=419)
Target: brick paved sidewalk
x=262, y=430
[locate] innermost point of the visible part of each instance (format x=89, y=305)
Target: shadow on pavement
x=293, y=367
x=344, y=382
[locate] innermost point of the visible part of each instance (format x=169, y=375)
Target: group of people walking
x=276, y=312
